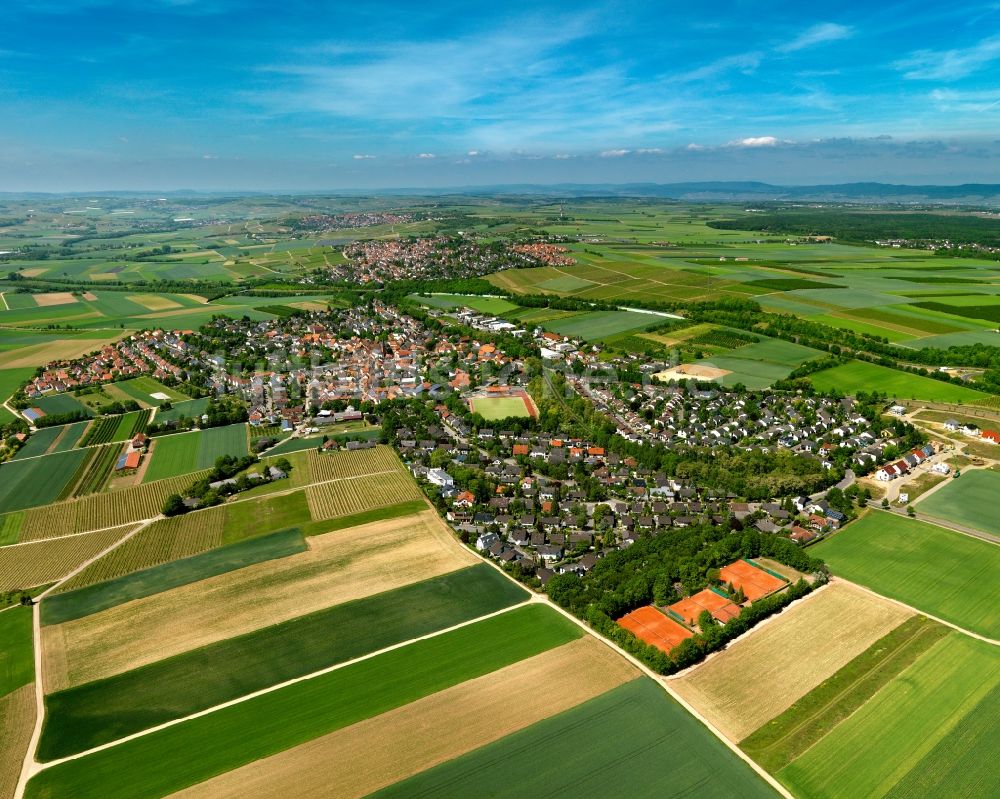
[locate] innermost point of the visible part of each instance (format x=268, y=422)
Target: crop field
x=337, y=465
x=595, y=325
x=938, y=571
x=28, y=565
x=445, y=724
x=826, y=630
x=10, y=381
x=185, y=754
x=116, y=428
x=849, y=378
x=37, y=481
x=52, y=346
x=102, y=460
x=98, y=511
x=490, y=305
x=181, y=453
x=649, y=746
x=59, y=403
x=17, y=663
x=10, y=527
x=338, y=567
x=76, y=604
x=492, y=408
x=142, y=389
x=758, y=365
x=899, y=734
x=967, y=501
x=39, y=443
x=349, y=496
x=17, y=722
x=187, y=408
x=96, y=712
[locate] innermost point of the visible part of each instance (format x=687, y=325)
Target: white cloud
x=649, y=151
x=818, y=34
x=949, y=64
x=562, y=156
x=363, y=157
x=208, y=157
x=426, y=155
x=695, y=147
x=742, y=62
x=473, y=153
x=614, y=153
x=756, y=141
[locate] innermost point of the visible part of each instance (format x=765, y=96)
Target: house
x=991, y=436
x=440, y=477
x=487, y=540
x=951, y=425
x=941, y=468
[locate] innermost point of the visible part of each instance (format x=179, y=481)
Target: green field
x=37, y=481
x=39, y=442
x=92, y=714
x=59, y=403
x=631, y=741
x=189, y=408
x=758, y=365
x=903, y=732
x=850, y=378
x=967, y=501
x=17, y=660
x=175, y=757
x=10, y=381
x=493, y=408
x=94, y=598
x=944, y=573
x=489, y=305
x=595, y=325
x=141, y=390
x=181, y=453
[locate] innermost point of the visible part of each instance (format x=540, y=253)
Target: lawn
x=17, y=660
x=94, y=598
x=91, y=714
x=850, y=378
x=944, y=573
x=37, y=481
x=141, y=389
x=967, y=501
x=595, y=325
x=887, y=740
x=630, y=741
x=493, y=408
x=181, y=453
x=168, y=760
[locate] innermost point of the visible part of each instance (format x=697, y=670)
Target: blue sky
x=217, y=94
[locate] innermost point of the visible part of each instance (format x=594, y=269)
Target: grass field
x=492, y=408
x=758, y=365
x=825, y=630
x=141, y=390
x=188, y=408
x=59, y=403
x=37, y=481
x=967, y=501
x=17, y=660
x=91, y=714
x=10, y=381
x=489, y=305
x=81, y=602
x=181, y=453
x=850, y=378
x=896, y=735
x=182, y=755
x=595, y=325
x=630, y=741
x=946, y=574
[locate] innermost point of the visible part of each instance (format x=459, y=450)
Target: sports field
x=825, y=630
x=181, y=453
x=493, y=408
x=944, y=573
x=630, y=741
x=654, y=628
x=945, y=702
x=850, y=378
x=182, y=755
x=970, y=501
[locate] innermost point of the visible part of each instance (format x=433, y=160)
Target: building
x=440, y=477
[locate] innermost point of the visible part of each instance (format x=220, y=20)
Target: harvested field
x=752, y=580
x=431, y=730
x=788, y=656
x=54, y=298
x=154, y=302
x=337, y=568
x=345, y=497
x=692, y=371
x=58, y=349
x=28, y=565
x=653, y=627
x=17, y=721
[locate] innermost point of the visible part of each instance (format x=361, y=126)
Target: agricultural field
x=967, y=501
x=937, y=571
x=177, y=757
x=758, y=365
x=96, y=712
x=338, y=567
x=177, y=454
x=186, y=408
x=348, y=496
x=17, y=694
x=107, y=429
x=40, y=442
x=596, y=325
x=826, y=629
x=491, y=305
x=30, y=482
x=850, y=378
x=10, y=381
x=931, y=728
x=38, y=563
x=148, y=392
x=53, y=404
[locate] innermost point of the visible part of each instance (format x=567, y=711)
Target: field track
x=431, y=730
x=338, y=567
x=825, y=631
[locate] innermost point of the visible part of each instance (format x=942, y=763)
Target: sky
x=292, y=95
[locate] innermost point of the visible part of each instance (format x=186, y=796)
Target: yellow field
x=56, y=350
x=432, y=730
x=336, y=465
x=17, y=720
x=54, y=298
x=763, y=673
x=28, y=565
x=337, y=567
x=154, y=302
x=344, y=497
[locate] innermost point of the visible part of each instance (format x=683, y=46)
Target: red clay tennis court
x=690, y=608
x=754, y=581
x=651, y=626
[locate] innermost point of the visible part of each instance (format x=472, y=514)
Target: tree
x=174, y=505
